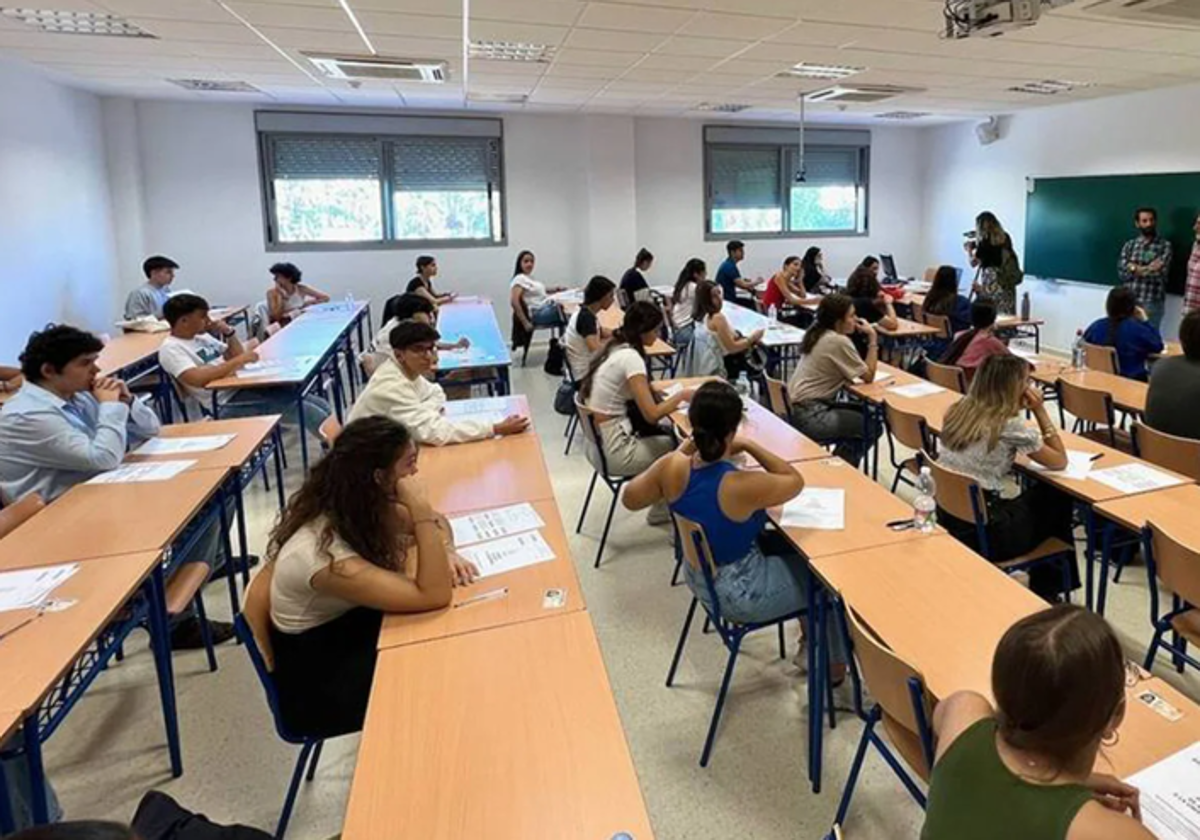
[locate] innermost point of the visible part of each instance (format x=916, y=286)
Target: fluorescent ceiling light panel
x=506, y=98
x=804, y=70
x=512, y=51
x=722, y=107
x=1049, y=87
x=358, y=26
x=75, y=23
x=902, y=115
x=213, y=86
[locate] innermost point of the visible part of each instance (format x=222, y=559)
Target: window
x=754, y=186
x=365, y=188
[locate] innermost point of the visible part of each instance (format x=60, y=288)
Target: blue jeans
x=1155, y=309
x=255, y=402
x=762, y=587
x=15, y=774
x=684, y=336
x=549, y=314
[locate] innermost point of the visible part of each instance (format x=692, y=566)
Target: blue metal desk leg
x=351, y=369
x=240, y=501
x=505, y=385
x=37, y=771
x=814, y=714
x=278, y=436
x=160, y=644
x=227, y=548
x=816, y=683
x=8, y=823
x=1089, y=551
x=303, y=430
x=1106, y=551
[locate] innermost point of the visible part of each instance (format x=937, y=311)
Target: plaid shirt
x=1191, y=299
x=1150, y=287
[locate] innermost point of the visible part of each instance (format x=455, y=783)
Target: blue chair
x=903, y=706
x=1177, y=567
x=591, y=432
x=252, y=626
x=698, y=554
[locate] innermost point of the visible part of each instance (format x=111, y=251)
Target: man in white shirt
x=149, y=298
x=400, y=389
x=193, y=357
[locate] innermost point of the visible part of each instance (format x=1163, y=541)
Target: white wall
x=1138, y=133
x=583, y=192
x=56, y=238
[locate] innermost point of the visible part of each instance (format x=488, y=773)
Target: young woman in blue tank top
x=759, y=575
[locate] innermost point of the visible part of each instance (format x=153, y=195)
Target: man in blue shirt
x=148, y=299
x=68, y=424
x=729, y=277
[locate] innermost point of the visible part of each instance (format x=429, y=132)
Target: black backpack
x=556, y=358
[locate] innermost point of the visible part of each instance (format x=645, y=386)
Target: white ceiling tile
x=524, y=33
x=584, y=71
x=413, y=26
x=316, y=40
x=705, y=47
x=197, y=10
x=212, y=49
x=688, y=63
x=519, y=69
x=594, y=58
x=607, y=39
x=173, y=30
x=405, y=47
x=548, y=12
x=816, y=34
x=743, y=27
x=631, y=18
x=330, y=16
x=642, y=73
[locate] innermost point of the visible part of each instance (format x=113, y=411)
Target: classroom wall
x=583, y=191
x=1138, y=133
x=56, y=238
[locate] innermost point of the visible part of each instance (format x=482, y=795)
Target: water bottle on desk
x=1077, y=351
x=350, y=301
x=1026, y=307
x=773, y=312
x=925, y=504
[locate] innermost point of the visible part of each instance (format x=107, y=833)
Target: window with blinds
x=757, y=184
x=367, y=189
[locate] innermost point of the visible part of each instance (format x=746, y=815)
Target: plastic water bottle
x=1077, y=351
x=1026, y=307
x=925, y=505
x=742, y=386
x=350, y=301
x=772, y=312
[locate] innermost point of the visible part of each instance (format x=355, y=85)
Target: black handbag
x=556, y=358
x=564, y=398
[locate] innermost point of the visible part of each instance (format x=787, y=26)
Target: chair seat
x=1188, y=626
x=1123, y=439
x=1049, y=548
x=183, y=586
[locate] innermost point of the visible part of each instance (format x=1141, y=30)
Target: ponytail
x=715, y=413
x=831, y=310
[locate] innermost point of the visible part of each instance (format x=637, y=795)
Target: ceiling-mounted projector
x=989, y=18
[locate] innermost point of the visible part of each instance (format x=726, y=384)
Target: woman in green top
x=1024, y=769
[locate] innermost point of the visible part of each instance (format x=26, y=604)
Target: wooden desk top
x=876, y=391
x=10, y=719
x=128, y=349
x=1174, y=508
x=1127, y=394
x=1173, y=348
x=613, y=317
x=485, y=473
x=526, y=588
x=476, y=319
x=909, y=329
x=250, y=431
x=35, y=656
x=763, y=427
x=101, y=520
x=507, y=734
x=1010, y=322
x=869, y=507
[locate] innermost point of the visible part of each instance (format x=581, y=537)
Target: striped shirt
x=1191, y=298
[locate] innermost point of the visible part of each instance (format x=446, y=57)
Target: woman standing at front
x=829, y=362
x=988, y=250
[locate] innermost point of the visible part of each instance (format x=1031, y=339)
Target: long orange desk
x=1127, y=394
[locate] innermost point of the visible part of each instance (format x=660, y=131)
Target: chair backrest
x=591, y=431
x=899, y=689
x=253, y=628
x=951, y=377
x=16, y=514
x=939, y=322
x=369, y=362
x=906, y=427
x=1175, y=564
x=329, y=430
x=1175, y=453
x=698, y=555
x=777, y=395
x=957, y=494
x=931, y=274
x=1087, y=404
x=1101, y=358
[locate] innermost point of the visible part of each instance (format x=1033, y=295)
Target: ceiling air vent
x=902, y=115
x=512, y=51
x=722, y=107
x=859, y=94
x=830, y=72
x=1162, y=12
x=1048, y=87
x=75, y=23
x=499, y=98
x=211, y=86
x=379, y=68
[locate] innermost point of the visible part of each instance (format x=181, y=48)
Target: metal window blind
x=325, y=158
x=829, y=165
x=744, y=179
x=449, y=164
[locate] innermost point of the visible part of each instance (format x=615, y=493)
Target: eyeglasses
x=422, y=349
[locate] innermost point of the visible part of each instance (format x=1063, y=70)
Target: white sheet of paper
x=672, y=390
x=481, y=405
x=275, y=367
x=1135, y=478
x=1079, y=465
x=28, y=588
x=508, y=553
x=492, y=524
x=917, y=389
x=1170, y=795
x=819, y=508
x=146, y=471
x=183, y=445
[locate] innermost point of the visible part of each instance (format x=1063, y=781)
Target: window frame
x=387, y=183
x=787, y=154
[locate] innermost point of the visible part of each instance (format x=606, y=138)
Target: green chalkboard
x=1075, y=227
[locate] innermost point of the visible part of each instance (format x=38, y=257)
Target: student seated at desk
x=617, y=390
x=943, y=299
x=1025, y=767
x=342, y=556
x=289, y=297
x=870, y=302
x=983, y=434
x=829, y=362
x=530, y=300
x=781, y=292
x=147, y=300
x=759, y=575
x=68, y=424
x=192, y=357
x=10, y=379
x=633, y=282
x=1126, y=329
x=971, y=348
x=816, y=280
x=422, y=283
x=683, y=302
x=585, y=336
x=717, y=348
x=1174, y=394
x=409, y=307
x=400, y=389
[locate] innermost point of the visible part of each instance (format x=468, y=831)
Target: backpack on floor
x=556, y=358
x=564, y=398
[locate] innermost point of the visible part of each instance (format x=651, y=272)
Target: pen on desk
x=1096, y=457
x=483, y=596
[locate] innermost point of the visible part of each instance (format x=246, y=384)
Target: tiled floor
x=112, y=747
